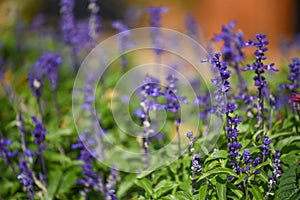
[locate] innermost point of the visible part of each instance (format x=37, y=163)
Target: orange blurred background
x=276, y=18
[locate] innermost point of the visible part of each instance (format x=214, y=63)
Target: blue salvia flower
x=112, y=195
x=123, y=39
x=227, y=109
x=294, y=76
x=93, y=20
x=39, y=132
x=265, y=147
x=232, y=49
x=192, y=27
x=47, y=65
x=173, y=103
x=36, y=85
x=88, y=90
x=221, y=82
x=111, y=182
x=68, y=23
x=90, y=178
x=26, y=178
x=195, y=166
x=204, y=103
x=148, y=93
x=259, y=68
x=75, y=35
x=155, y=21
x=5, y=153
x=277, y=173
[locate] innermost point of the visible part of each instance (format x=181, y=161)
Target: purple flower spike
x=39, y=132
x=26, y=178
x=4, y=152
x=155, y=15
x=155, y=21
x=259, y=68
x=47, y=65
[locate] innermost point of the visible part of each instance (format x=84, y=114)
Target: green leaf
x=56, y=157
x=162, y=187
x=235, y=190
x=203, y=191
x=221, y=186
x=288, y=187
x=146, y=185
x=267, y=162
x=54, y=178
x=240, y=179
x=222, y=154
x=220, y=170
x=257, y=195
x=264, y=177
x=276, y=135
x=127, y=183
x=68, y=181
x=287, y=141
x=182, y=195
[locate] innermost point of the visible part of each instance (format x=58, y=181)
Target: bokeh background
x=280, y=20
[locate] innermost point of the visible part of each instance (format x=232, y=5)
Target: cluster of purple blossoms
x=195, y=166
x=259, y=68
x=277, y=169
x=221, y=82
x=110, y=184
x=26, y=178
x=248, y=161
x=94, y=20
x=46, y=66
x=90, y=178
x=294, y=76
x=204, y=103
x=123, y=39
x=5, y=153
x=232, y=49
x=74, y=34
x=232, y=138
x=39, y=132
x=265, y=147
x=191, y=27
x=172, y=99
x=227, y=109
x=155, y=21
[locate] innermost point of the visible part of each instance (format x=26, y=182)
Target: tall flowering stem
x=46, y=66
x=232, y=49
x=259, y=68
x=39, y=132
x=195, y=166
x=148, y=93
x=93, y=20
x=293, y=86
x=227, y=109
x=26, y=178
x=155, y=21
x=123, y=40
x=173, y=104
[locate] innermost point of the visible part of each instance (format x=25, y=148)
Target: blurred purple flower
x=26, y=178
x=39, y=132
x=155, y=21
x=124, y=43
